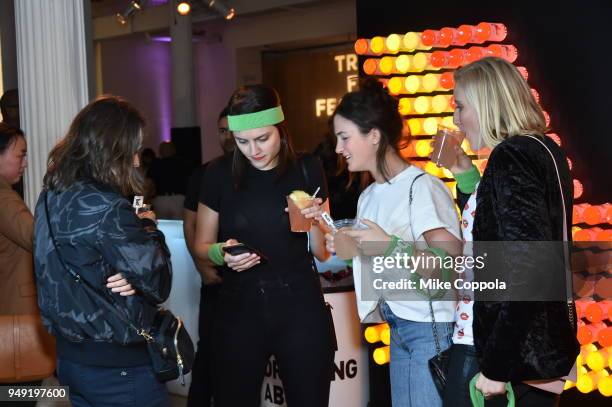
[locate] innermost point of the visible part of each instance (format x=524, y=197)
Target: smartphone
x=241, y=248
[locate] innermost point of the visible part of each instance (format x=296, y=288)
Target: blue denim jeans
x=412, y=345
x=95, y=386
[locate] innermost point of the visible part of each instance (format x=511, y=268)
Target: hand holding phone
x=240, y=256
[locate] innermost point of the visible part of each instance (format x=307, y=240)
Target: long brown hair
x=100, y=145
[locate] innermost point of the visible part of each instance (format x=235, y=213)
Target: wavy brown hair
x=372, y=107
x=100, y=146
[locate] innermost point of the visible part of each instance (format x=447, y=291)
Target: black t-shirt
x=192, y=196
x=255, y=215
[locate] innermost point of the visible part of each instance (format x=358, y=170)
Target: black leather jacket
x=518, y=200
x=99, y=235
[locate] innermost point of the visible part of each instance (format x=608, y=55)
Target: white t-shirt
x=464, y=314
x=387, y=205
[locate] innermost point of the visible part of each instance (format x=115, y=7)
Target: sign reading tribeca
x=346, y=63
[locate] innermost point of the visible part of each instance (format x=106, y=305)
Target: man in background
x=200, y=392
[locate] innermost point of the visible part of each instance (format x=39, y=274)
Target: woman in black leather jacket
x=520, y=335
x=90, y=174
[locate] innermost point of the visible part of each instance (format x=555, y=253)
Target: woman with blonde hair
x=523, y=196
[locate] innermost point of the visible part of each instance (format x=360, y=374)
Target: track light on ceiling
x=183, y=8
x=134, y=7
x=223, y=9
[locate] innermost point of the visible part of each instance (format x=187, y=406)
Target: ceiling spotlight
x=226, y=12
x=134, y=7
x=183, y=8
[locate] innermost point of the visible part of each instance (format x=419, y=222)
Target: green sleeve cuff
x=349, y=262
x=215, y=254
x=466, y=181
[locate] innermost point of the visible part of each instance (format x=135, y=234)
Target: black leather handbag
x=438, y=365
x=170, y=347
x=168, y=343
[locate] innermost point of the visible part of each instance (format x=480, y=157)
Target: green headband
x=256, y=120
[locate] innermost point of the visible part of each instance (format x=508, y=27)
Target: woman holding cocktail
x=403, y=206
x=270, y=301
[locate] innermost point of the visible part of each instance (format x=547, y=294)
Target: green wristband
x=215, y=254
x=392, y=245
x=397, y=244
x=466, y=181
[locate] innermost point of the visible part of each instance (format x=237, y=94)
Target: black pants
x=200, y=392
x=462, y=366
x=285, y=318
x=525, y=396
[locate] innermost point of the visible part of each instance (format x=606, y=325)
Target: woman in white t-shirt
x=368, y=128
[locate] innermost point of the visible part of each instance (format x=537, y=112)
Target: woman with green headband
x=272, y=304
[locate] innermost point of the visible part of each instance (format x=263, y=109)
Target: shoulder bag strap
x=568, y=273
x=434, y=328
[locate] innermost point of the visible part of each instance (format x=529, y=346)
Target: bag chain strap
x=434, y=328
x=568, y=278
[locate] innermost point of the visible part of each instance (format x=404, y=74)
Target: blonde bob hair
x=502, y=100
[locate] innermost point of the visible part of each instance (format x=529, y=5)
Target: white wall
x=139, y=70
x=214, y=78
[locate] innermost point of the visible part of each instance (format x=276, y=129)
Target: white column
x=52, y=72
x=183, y=87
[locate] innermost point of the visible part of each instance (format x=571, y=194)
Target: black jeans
x=200, y=391
x=287, y=318
x=461, y=368
x=98, y=386
x=525, y=396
